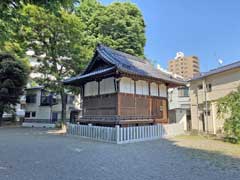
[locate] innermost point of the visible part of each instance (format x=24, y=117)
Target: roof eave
x=170, y=83
x=79, y=81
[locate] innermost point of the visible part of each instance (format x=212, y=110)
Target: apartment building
x=42, y=106
x=205, y=90
x=185, y=66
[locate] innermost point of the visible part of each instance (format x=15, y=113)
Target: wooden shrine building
x=121, y=89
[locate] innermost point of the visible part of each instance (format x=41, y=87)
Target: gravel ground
x=33, y=154
x=208, y=144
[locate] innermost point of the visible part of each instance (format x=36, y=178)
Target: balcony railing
x=48, y=100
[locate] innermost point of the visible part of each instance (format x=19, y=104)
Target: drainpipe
x=206, y=103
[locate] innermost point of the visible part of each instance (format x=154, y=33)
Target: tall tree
x=13, y=78
x=118, y=25
x=58, y=42
x=10, y=21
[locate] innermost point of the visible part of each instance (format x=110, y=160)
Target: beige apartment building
x=205, y=90
x=185, y=66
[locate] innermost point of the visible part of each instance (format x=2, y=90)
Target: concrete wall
x=177, y=102
x=178, y=116
x=222, y=84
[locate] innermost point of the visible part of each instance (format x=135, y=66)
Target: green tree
x=13, y=78
x=229, y=110
x=10, y=21
x=59, y=44
x=118, y=25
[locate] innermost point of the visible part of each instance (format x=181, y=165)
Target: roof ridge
x=121, y=52
x=217, y=70
x=223, y=66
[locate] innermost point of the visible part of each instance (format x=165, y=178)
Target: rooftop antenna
x=220, y=61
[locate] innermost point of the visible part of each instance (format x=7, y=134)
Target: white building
x=41, y=106
x=179, y=102
x=179, y=106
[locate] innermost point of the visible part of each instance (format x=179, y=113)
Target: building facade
x=205, y=90
x=121, y=89
x=179, y=106
x=185, y=66
x=42, y=106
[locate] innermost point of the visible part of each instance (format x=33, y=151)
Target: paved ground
x=32, y=154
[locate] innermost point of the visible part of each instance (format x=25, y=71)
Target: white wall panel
x=91, y=88
x=142, y=87
x=154, y=89
x=107, y=86
x=163, y=90
x=127, y=85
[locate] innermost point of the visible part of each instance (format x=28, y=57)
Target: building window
x=208, y=113
x=27, y=114
x=31, y=98
x=70, y=99
x=33, y=114
x=183, y=92
x=209, y=87
x=195, y=66
x=200, y=86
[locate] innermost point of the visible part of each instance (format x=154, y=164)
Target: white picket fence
x=121, y=135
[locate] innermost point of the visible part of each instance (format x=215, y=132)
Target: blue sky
x=209, y=29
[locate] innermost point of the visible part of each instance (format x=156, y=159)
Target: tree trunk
x=64, y=102
x=1, y=117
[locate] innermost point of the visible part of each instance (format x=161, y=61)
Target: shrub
x=229, y=109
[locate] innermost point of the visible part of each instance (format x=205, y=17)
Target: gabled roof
x=126, y=63
x=217, y=70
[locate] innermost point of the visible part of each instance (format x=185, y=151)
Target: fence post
x=117, y=133
x=89, y=130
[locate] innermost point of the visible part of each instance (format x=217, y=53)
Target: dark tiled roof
x=134, y=65
x=217, y=70
x=129, y=64
x=79, y=77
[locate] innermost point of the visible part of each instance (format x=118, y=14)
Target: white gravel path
x=32, y=154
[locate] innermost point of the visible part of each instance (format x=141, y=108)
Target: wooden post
x=98, y=87
x=118, y=98
x=135, y=91
x=150, y=99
